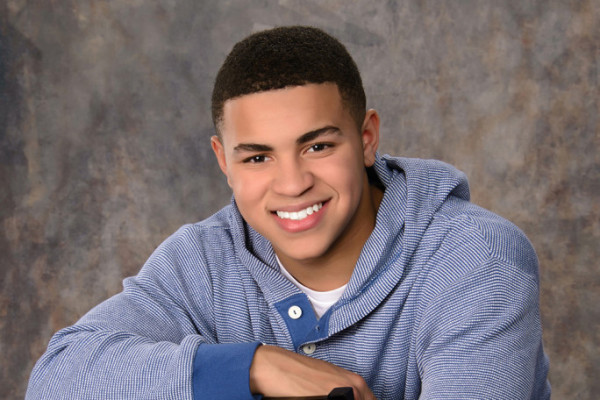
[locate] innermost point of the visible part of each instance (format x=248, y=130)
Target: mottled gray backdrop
x=104, y=127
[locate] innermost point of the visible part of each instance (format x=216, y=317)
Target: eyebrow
x=312, y=135
x=305, y=138
x=252, y=147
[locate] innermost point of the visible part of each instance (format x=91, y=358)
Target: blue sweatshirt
x=443, y=304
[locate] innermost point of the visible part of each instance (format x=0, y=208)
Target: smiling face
x=296, y=164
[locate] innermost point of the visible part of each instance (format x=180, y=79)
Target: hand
x=276, y=372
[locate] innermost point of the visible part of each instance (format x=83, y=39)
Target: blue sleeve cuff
x=222, y=371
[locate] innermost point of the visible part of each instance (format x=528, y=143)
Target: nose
x=292, y=178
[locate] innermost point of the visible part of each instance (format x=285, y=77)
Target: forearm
x=84, y=362
x=138, y=342
x=276, y=372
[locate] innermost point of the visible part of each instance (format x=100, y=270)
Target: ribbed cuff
x=222, y=371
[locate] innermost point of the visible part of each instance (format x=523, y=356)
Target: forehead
x=277, y=113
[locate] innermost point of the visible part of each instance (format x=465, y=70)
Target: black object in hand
x=341, y=393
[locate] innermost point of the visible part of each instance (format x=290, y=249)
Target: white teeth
x=299, y=215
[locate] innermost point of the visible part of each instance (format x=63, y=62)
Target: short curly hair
x=285, y=57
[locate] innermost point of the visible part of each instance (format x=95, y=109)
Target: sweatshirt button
x=295, y=312
x=309, y=348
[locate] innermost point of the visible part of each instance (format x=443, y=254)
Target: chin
x=301, y=255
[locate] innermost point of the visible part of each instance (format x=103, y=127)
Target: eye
x=318, y=147
x=257, y=159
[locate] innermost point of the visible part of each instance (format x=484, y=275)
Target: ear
x=370, y=137
x=219, y=151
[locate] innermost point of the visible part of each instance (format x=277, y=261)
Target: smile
x=300, y=215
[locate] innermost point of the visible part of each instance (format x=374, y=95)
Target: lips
x=295, y=220
x=301, y=214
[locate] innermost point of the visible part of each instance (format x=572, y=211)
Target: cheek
x=345, y=178
x=247, y=187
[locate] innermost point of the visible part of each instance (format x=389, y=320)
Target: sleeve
x=143, y=343
x=221, y=371
x=481, y=336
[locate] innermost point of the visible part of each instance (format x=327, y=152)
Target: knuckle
x=359, y=381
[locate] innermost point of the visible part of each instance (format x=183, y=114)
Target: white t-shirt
x=321, y=301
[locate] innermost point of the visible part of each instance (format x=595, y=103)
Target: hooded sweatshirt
x=442, y=304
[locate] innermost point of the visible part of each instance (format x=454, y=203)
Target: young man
x=332, y=267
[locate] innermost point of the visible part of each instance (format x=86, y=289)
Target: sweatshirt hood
x=414, y=190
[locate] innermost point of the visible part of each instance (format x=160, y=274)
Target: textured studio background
x=104, y=128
